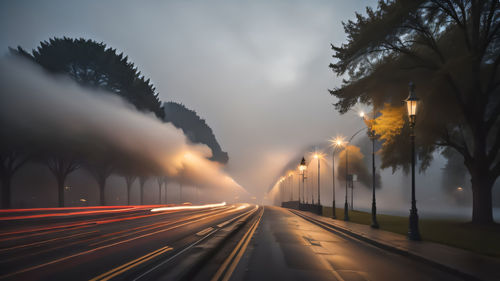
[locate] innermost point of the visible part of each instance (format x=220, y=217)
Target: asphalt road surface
x=230, y=242
x=287, y=247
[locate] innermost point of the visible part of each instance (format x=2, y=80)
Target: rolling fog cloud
x=58, y=112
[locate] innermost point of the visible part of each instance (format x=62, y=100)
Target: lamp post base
x=413, y=232
x=374, y=216
x=346, y=212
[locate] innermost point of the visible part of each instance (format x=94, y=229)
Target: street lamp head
x=303, y=165
x=411, y=103
x=337, y=142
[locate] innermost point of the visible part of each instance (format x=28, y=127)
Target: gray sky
x=257, y=71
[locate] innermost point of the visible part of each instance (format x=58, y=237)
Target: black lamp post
x=302, y=168
x=336, y=143
x=346, y=205
x=412, y=103
x=347, y=176
x=317, y=157
x=372, y=135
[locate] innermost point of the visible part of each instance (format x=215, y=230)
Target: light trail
x=76, y=208
x=93, y=250
x=73, y=226
x=188, y=207
x=128, y=231
x=115, y=209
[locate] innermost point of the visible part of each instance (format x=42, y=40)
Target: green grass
x=456, y=233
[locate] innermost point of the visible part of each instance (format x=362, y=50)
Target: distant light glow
x=361, y=114
x=460, y=188
x=243, y=206
x=338, y=141
x=188, y=207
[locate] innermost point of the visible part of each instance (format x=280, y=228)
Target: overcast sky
x=257, y=71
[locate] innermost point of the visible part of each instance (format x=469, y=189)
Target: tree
x=101, y=170
x=142, y=181
x=94, y=65
x=161, y=180
x=10, y=162
x=61, y=166
x=451, y=50
x=165, y=182
x=195, y=128
x=129, y=179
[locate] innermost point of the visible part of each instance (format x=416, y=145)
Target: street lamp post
x=346, y=205
x=372, y=136
x=302, y=168
x=411, y=103
x=316, y=156
x=336, y=143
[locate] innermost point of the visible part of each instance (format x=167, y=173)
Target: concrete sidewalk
x=467, y=264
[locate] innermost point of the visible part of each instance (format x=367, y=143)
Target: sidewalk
x=470, y=265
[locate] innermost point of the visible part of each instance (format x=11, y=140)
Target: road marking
x=187, y=248
x=227, y=268
x=131, y=264
x=204, y=231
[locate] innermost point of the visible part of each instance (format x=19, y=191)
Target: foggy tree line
x=451, y=51
x=92, y=64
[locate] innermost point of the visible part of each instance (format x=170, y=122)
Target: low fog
x=47, y=113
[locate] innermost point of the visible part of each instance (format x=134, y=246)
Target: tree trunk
x=482, y=184
x=142, y=194
x=102, y=186
x=482, y=208
x=6, y=203
x=60, y=190
x=481, y=178
x=165, y=193
x=128, y=193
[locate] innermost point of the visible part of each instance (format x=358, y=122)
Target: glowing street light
x=411, y=103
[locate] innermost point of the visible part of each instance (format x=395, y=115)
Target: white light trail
x=188, y=207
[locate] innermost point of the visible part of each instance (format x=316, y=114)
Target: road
x=146, y=243
x=113, y=243
x=287, y=247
